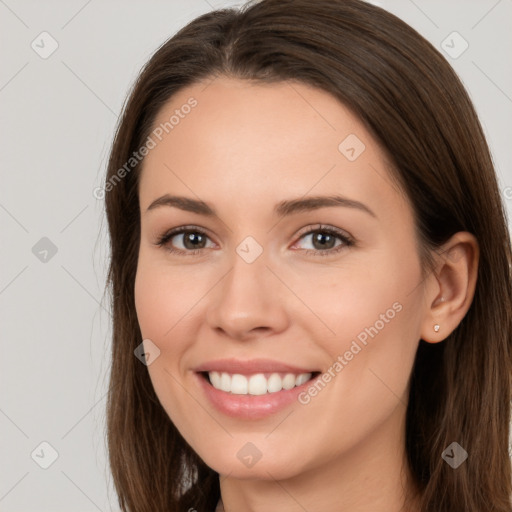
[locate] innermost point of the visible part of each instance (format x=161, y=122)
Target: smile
x=256, y=384
x=252, y=396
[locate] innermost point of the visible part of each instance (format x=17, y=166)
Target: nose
x=249, y=301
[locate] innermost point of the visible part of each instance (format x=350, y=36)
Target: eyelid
x=327, y=228
x=163, y=239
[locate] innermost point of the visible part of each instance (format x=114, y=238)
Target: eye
x=193, y=240
x=323, y=239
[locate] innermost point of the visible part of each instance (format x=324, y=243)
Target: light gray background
x=58, y=117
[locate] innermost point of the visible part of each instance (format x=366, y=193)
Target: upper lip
x=250, y=366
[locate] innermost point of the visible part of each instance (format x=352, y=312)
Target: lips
x=253, y=402
x=253, y=377
x=253, y=366
x=252, y=389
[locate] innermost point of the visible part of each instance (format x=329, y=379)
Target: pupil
x=320, y=237
x=192, y=238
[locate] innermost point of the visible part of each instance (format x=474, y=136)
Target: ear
x=450, y=289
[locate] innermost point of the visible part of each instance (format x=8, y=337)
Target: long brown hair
x=415, y=106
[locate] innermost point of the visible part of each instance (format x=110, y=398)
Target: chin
x=268, y=467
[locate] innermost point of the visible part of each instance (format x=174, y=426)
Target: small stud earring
x=436, y=327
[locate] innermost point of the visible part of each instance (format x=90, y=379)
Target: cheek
x=161, y=309
x=373, y=311
x=153, y=301
x=162, y=301
x=352, y=298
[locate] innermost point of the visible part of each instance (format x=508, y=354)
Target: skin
x=242, y=149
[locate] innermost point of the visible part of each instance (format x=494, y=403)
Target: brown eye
x=192, y=240
x=324, y=240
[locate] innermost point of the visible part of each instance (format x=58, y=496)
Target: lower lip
x=251, y=407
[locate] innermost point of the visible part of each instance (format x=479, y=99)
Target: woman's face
x=273, y=278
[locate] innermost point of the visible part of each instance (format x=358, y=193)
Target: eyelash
x=347, y=241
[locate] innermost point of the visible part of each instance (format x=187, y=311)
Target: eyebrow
x=282, y=209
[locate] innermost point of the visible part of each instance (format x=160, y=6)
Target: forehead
x=248, y=142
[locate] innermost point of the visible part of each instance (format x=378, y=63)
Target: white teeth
x=239, y=384
x=216, y=380
x=274, y=383
x=225, y=382
x=289, y=381
x=256, y=384
x=303, y=377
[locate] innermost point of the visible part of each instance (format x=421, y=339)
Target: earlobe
x=455, y=283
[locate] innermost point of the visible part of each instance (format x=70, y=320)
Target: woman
x=310, y=262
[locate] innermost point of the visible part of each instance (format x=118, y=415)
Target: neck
x=372, y=475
